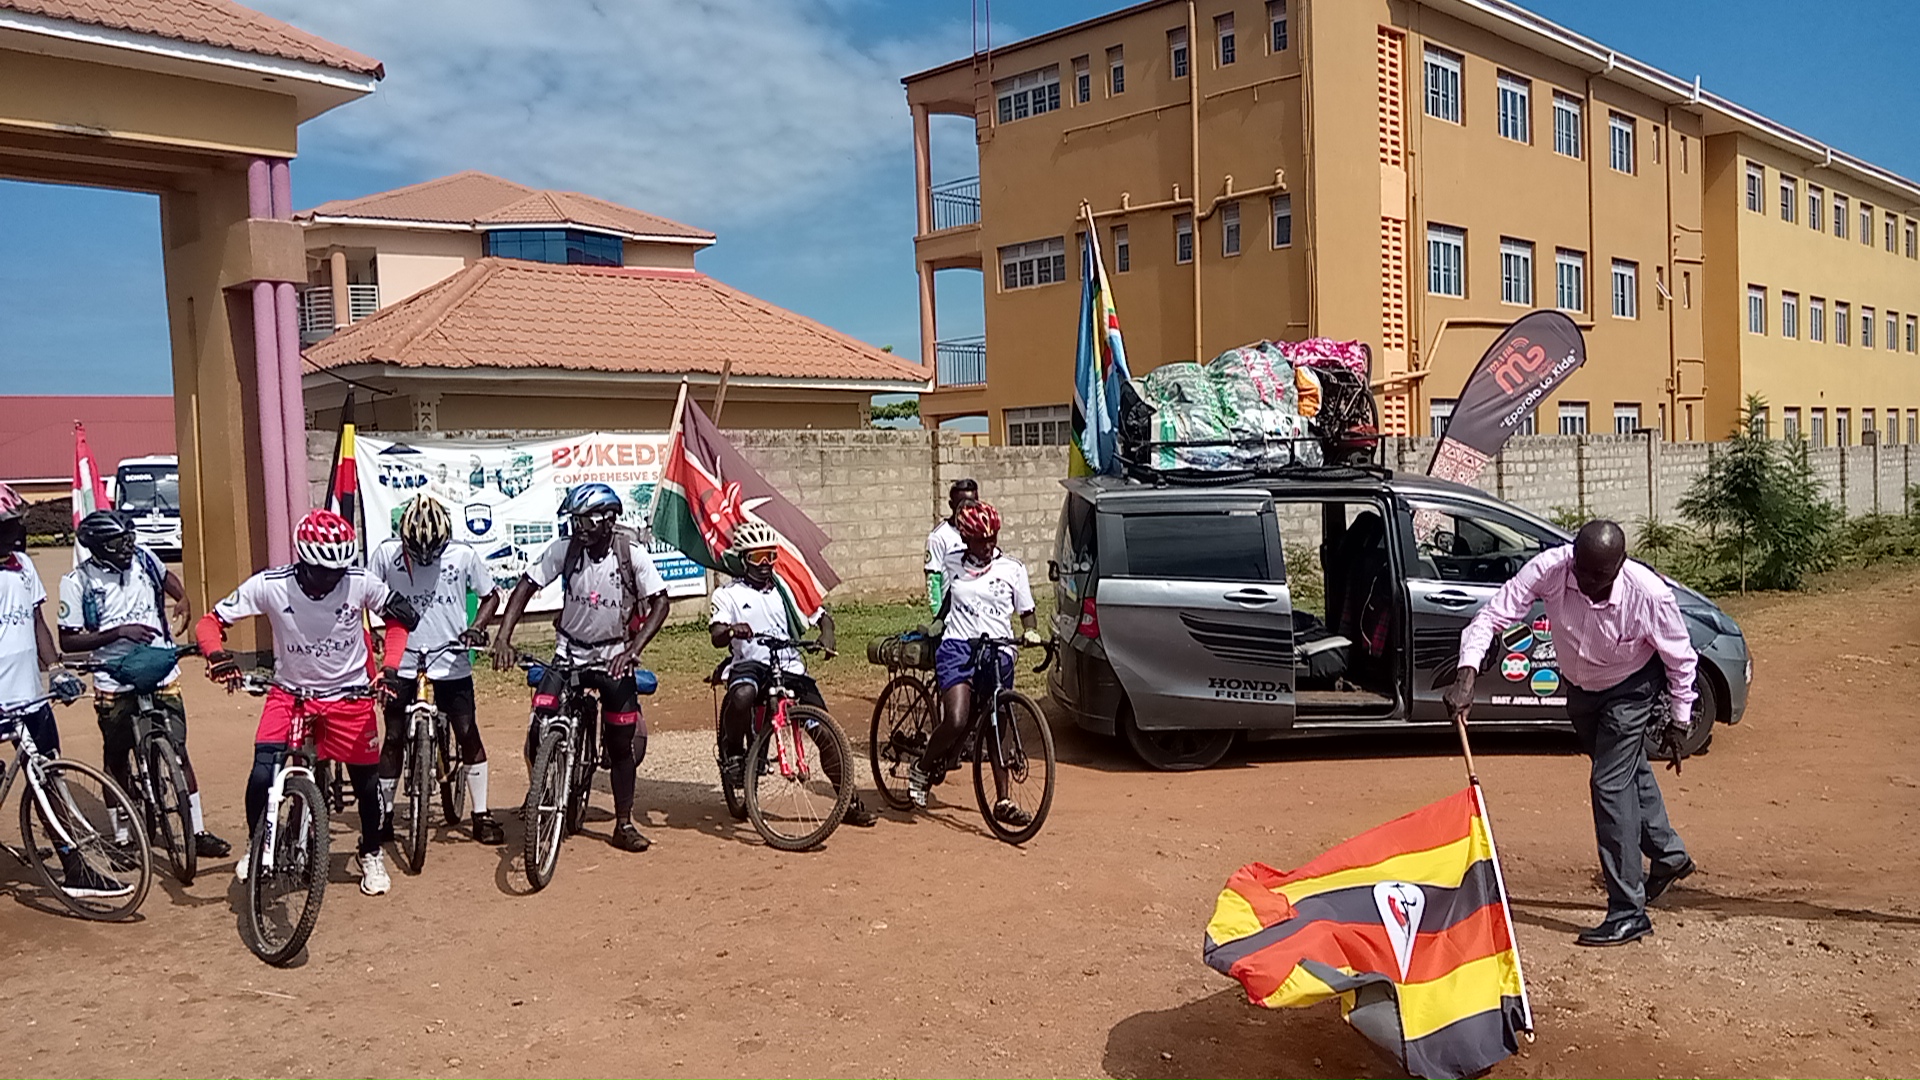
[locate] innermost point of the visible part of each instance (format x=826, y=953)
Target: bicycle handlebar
x=18, y=711
x=1050, y=646
x=260, y=686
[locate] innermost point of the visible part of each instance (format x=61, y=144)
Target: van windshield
x=148, y=490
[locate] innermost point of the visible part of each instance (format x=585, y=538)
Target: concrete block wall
x=1679, y=465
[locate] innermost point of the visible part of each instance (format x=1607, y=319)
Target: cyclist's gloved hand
x=223, y=668
x=1031, y=637
x=65, y=688
x=392, y=684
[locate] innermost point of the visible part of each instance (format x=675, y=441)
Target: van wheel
x=1175, y=751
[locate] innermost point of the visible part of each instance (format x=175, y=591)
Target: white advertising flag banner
x=505, y=496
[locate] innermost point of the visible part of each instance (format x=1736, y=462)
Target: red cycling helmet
x=977, y=521
x=325, y=539
x=11, y=504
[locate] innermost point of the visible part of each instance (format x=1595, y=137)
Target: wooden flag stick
x=1466, y=750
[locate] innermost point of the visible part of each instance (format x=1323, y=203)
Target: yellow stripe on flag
x=1473, y=987
x=1233, y=918
x=1443, y=866
x=1301, y=987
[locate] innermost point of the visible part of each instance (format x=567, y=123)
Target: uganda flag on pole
x=707, y=488
x=1406, y=924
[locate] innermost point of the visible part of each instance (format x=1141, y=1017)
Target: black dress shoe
x=1616, y=931
x=1658, y=881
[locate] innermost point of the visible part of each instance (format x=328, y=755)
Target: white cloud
x=716, y=112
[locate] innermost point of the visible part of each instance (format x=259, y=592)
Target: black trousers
x=1629, y=816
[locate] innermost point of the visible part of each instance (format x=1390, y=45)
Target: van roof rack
x=1290, y=468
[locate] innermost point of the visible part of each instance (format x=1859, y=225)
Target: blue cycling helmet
x=590, y=499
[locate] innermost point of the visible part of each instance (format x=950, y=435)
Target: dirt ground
x=924, y=947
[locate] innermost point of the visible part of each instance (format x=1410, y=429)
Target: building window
x=1816, y=209
x=1439, y=414
x=1913, y=332
x=1789, y=198
x=1516, y=108
x=1282, y=206
x=568, y=246
x=1839, y=215
x=1566, y=124
x=1177, y=48
x=1843, y=427
x=1913, y=251
x=1893, y=331
x=1570, y=280
x=1789, y=315
x=1626, y=417
x=1223, y=33
x=1866, y=327
x=1116, y=70
x=1277, y=23
x=1046, y=425
x=1446, y=260
x=1816, y=319
x=1756, y=187
x=1122, y=253
x=1230, y=229
x=1893, y=426
x=1620, y=140
x=1516, y=271
x=1913, y=426
x=1869, y=424
x=1842, y=322
x=1082, y=81
x=1031, y=265
x=1028, y=94
x=1890, y=234
x=1530, y=425
x=1756, y=309
x=1443, y=84
x=1866, y=224
x=1790, y=422
x=1818, y=427
x=1626, y=289
x=1183, y=238
x=1573, y=418
x=1761, y=424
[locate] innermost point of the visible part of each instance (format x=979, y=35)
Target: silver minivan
x=1322, y=602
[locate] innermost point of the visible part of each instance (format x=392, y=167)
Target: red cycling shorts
x=347, y=729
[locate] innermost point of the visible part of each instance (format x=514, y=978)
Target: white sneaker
x=240, y=868
x=373, y=874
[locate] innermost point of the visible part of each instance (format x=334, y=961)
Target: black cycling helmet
x=109, y=535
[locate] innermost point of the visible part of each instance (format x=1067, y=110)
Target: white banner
x=505, y=496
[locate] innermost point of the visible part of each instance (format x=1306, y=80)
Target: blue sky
x=801, y=159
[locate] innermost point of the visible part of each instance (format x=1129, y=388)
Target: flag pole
x=1466, y=750
x=720, y=395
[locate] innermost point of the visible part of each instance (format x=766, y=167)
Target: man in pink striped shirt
x=1619, y=638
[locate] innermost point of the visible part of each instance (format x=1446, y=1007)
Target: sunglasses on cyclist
x=763, y=556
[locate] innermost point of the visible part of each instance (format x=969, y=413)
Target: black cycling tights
x=394, y=746
x=366, y=793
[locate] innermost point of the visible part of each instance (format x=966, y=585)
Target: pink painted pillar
x=268, y=391
x=293, y=409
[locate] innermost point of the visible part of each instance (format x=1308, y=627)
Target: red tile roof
x=36, y=432
x=480, y=200
x=507, y=313
x=219, y=23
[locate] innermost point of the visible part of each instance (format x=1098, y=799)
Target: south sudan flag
x=1406, y=924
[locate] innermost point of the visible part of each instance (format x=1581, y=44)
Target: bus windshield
x=147, y=490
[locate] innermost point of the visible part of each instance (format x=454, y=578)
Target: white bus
x=149, y=489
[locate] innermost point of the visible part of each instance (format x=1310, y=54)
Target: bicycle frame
x=29, y=760
x=298, y=762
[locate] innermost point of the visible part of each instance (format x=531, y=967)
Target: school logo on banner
x=479, y=519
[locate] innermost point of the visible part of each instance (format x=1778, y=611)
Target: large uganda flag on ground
x=1407, y=924
x=707, y=488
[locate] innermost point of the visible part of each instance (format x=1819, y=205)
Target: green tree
x=1761, y=508
x=898, y=410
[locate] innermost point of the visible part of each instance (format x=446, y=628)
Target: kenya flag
x=707, y=488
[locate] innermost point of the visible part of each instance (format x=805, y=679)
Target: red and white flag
x=89, y=488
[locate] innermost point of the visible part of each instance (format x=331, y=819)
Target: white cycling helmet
x=749, y=535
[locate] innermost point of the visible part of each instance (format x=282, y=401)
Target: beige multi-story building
x=1414, y=174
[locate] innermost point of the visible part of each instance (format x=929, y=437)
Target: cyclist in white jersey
x=436, y=575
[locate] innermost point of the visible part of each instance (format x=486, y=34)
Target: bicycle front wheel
x=902, y=723
x=586, y=758
x=1013, y=772
x=169, y=808
x=419, y=778
x=84, y=838
x=545, y=812
x=453, y=779
x=799, y=780
x=283, y=899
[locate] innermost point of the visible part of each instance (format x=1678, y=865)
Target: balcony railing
x=956, y=203
x=316, y=309
x=960, y=362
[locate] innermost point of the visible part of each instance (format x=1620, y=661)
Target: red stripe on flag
x=1433, y=826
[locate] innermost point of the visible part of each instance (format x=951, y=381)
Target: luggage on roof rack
x=1261, y=409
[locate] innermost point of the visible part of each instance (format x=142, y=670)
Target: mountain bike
x=288, y=855
x=78, y=815
x=1014, y=753
x=796, y=783
x=561, y=781
x=159, y=776
x=432, y=760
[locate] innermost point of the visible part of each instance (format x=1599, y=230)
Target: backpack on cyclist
x=150, y=565
x=623, y=541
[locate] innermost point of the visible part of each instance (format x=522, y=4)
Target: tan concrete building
x=198, y=102
x=489, y=305
x=1414, y=174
